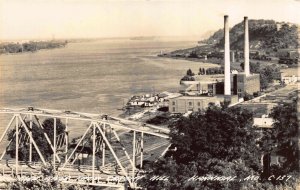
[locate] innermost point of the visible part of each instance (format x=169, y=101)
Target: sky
x=47, y=19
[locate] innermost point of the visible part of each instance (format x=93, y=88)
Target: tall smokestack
x=246, y=47
x=227, y=84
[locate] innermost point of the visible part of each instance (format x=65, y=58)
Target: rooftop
x=290, y=72
x=193, y=97
x=217, y=97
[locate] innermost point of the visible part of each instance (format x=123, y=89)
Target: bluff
x=263, y=34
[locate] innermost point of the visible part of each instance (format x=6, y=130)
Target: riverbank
x=90, y=76
x=31, y=46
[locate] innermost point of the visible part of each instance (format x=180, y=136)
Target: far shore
x=30, y=52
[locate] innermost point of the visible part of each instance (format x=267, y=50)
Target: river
x=92, y=76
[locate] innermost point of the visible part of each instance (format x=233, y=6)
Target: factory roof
x=199, y=97
x=193, y=97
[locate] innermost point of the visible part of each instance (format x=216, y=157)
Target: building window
x=190, y=103
x=239, y=90
x=173, y=103
x=198, y=103
x=174, y=110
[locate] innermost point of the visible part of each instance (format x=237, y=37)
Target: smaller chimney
x=232, y=56
x=246, y=47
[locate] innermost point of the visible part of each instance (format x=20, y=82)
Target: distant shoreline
x=11, y=48
x=29, y=52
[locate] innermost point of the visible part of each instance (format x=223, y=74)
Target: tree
x=248, y=96
x=208, y=72
x=38, y=136
x=254, y=67
x=193, y=54
x=200, y=71
x=282, y=140
x=214, y=142
x=267, y=75
x=263, y=81
x=48, y=126
x=189, y=72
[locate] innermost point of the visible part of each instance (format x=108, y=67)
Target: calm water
x=90, y=77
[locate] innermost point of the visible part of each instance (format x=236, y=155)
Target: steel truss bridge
x=117, y=147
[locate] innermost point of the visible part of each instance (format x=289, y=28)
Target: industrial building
x=185, y=104
x=243, y=84
x=231, y=88
x=240, y=85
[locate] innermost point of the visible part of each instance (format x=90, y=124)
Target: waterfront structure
x=185, y=104
x=147, y=100
x=241, y=84
x=231, y=88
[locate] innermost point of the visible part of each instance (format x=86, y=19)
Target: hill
x=266, y=35
x=263, y=34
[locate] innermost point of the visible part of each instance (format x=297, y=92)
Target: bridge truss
x=113, y=148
